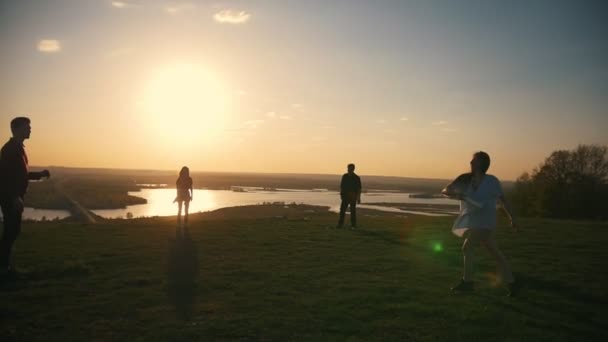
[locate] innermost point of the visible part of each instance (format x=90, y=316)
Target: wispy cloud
x=231, y=17
x=49, y=46
x=439, y=123
x=119, y=4
x=271, y=115
x=252, y=124
x=285, y=117
x=404, y=119
x=177, y=8
x=122, y=4
x=297, y=106
x=381, y=121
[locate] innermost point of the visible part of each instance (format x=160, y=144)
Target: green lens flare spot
x=437, y=247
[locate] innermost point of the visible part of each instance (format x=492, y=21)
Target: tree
x=568, y=184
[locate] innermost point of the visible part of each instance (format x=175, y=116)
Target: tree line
x=569, y=184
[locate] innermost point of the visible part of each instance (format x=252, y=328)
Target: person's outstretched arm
x=450, y=191
x=38, y=175
x=359, y=190
x=506, y=206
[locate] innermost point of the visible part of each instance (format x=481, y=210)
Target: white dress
x=478, y=208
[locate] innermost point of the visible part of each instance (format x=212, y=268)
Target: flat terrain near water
x=284, y=273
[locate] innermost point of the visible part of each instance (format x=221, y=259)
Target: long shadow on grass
x=182, y=273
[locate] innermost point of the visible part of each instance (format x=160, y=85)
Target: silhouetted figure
x=185, y=194
x=14, y=178
x=479, y=193
x=350, y=194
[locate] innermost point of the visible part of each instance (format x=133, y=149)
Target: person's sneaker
x=463, y=286
x=513, y=288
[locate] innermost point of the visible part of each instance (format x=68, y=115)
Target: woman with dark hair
x=185, y=194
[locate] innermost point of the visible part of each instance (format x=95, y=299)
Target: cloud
x=119, y=4
x=49, y=45
x=285, y=117
x=297, y=106
x=449, y=130
x=122, y=4
x=231, y=17
x=271, y=115
x=253, y=124
x=403, y=119
x=381, y=121
x=180, y=7
x=439, y=123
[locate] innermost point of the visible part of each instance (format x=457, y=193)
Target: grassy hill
x=276, y=273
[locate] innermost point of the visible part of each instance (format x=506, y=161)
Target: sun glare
x=185, y=104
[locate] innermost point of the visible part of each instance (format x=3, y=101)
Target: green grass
x=274, y=273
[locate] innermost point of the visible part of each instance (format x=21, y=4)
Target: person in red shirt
x=185, y=194
x=14, y=178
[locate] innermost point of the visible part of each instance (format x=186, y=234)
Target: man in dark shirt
x=14, y=177
x=350, y=193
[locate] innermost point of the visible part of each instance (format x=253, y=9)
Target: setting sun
x=185, y=104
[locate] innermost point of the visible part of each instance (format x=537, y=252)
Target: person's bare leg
x=503, y=264
x=186, y=206
x=468, y=251
x=179, y=212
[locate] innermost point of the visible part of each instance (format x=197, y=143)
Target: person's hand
x=456, y=195
x=46, y=173
x=18, y=204
x=514, y=225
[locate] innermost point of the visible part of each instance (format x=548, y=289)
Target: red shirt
x=13, y=170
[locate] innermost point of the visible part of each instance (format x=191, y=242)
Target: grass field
x=275, y=273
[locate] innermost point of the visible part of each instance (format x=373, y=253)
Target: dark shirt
x=351, y=183
x=13, y=170
x=184, y=183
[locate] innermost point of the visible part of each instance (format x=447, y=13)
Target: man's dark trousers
x=12, y=227
x=348, y=200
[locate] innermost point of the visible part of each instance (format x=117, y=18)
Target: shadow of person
x=182, y=273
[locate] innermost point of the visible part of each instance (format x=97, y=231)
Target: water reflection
x=43, y=214
x=160, y=201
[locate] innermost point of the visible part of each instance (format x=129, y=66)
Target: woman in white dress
x=479, y=194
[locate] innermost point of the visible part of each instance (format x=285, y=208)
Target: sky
x=400, y=88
